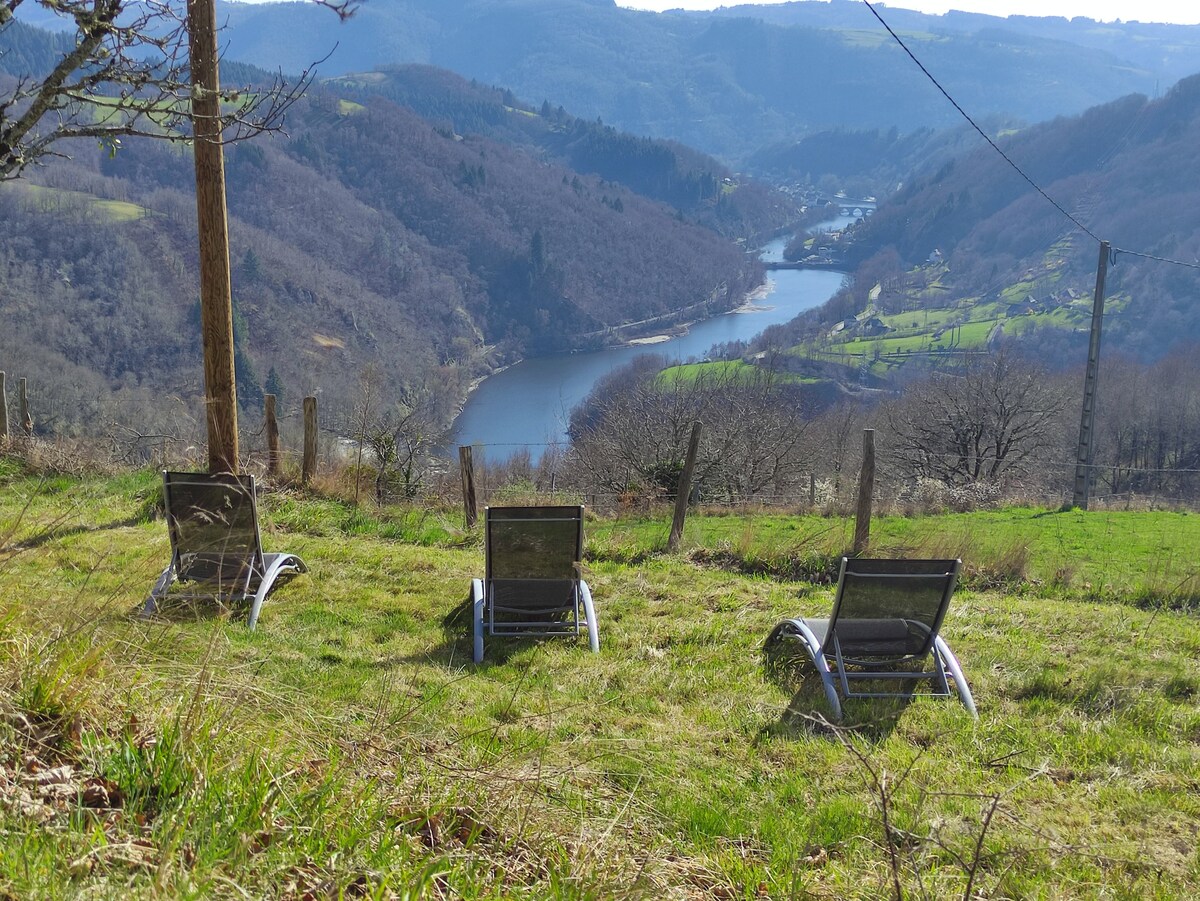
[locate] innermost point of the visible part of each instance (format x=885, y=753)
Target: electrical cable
x=1016, y=168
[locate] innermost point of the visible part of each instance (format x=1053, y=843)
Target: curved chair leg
x=159, y=589
x=278, y=565
x=950, y=662
x=796, y=629
x=477, y=618
x=585, y=594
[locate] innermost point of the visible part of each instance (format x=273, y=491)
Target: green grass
x=348, y=748
x=725, y=372
x=108, y=210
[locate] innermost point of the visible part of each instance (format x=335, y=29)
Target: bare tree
x=837, y=438
x=126, y=73
x=402, y=439
x=987, y=422
x=631, y=434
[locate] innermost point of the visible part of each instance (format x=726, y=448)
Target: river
x=529, y=404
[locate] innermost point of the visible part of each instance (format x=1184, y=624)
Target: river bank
x=527, y=405
x=750, y=304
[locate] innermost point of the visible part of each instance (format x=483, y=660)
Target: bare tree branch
x=126, y=74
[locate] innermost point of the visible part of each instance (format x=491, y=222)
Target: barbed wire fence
x=546, y=471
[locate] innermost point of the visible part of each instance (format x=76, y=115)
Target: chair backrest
x=891, y=608
x=533, y=557
x=213, y=524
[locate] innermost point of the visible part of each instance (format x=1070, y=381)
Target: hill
x=727, y=84
x=701, y=188
x=368, y=235
x=971, y=242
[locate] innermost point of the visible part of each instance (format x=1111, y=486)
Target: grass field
x=107, y=210
x=348, y=748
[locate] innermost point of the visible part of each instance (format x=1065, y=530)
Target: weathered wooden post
x=466, y=467
x=25, y=418
x=272, y=427
x=685, y=489
x=308, y=465
x=3, y=410
x=866, y=493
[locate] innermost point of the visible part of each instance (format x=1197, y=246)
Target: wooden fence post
x=308, y=465
x=685, y=489
x=466, y=468
x=866, y=493
x=23, y=400
x=272, y=427
x=3, y=410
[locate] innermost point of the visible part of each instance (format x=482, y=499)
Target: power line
x=1150, y=256
x=1016, y=168
x=983, y=134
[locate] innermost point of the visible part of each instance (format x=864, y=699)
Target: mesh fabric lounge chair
x=533, y=582
x=215, y=543
x=884, y=624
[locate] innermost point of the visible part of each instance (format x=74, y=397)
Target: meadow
x=348, y=748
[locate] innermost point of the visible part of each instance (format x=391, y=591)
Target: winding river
x=528, y=404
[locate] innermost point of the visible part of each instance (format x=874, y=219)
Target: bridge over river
x=856, y=208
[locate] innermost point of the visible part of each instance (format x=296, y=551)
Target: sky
x=1181, y=12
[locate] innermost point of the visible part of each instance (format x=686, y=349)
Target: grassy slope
x=350, y=746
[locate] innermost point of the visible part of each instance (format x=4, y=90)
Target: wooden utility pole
x=216, y=295
x=866, y=493
x=685, y=489
x=466, y=468
x=1085, y=455
x=272, y=427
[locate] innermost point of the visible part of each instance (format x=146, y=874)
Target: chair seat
x=884, y=628
x=883, y=637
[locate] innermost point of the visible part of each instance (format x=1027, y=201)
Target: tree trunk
x=216, y=296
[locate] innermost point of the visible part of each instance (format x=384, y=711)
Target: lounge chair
x=212, y=521
x=883, y=628
x=532, y=582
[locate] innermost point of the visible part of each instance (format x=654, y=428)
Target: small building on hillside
x=846, y=327
x=873, y=327
x=1022, y=307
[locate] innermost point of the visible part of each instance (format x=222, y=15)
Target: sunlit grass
x=348, y=745
x=51, y=199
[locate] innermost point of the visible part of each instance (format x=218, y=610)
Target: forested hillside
x=368, y=235
x=974, y=230
x=867, y=161
x=698, y=186
x=726, y=84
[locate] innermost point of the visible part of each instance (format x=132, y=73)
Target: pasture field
x=348, y=748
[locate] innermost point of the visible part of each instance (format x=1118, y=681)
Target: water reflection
x=529, y=403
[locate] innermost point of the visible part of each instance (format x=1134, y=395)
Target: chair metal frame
x=494, y=614
x=823, y=641
x=219, y=573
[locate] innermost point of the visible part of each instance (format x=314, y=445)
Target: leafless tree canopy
x=631, y=434
x=127, y=74
x=978, y=424
x=400, y=434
